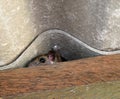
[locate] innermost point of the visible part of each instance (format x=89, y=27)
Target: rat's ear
x=51, y=52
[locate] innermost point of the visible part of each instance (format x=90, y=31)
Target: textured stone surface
x=62, y=75
x=16, y=29
x=96, y=23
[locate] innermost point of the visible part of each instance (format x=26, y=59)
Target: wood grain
x=60, y=75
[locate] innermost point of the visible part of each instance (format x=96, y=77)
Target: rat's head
x=51, y=57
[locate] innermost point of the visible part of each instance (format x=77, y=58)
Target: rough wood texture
x=61, y=75
x=107, y=90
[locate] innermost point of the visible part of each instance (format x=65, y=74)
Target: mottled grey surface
x=91, y=25
x=95, y=22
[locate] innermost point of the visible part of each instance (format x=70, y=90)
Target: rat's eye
x=42, y=60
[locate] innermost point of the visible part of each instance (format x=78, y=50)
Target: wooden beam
x=60, y=75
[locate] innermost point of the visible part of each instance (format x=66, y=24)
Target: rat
x=53, y=56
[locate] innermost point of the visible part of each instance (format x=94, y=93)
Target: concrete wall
x=94, y=22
